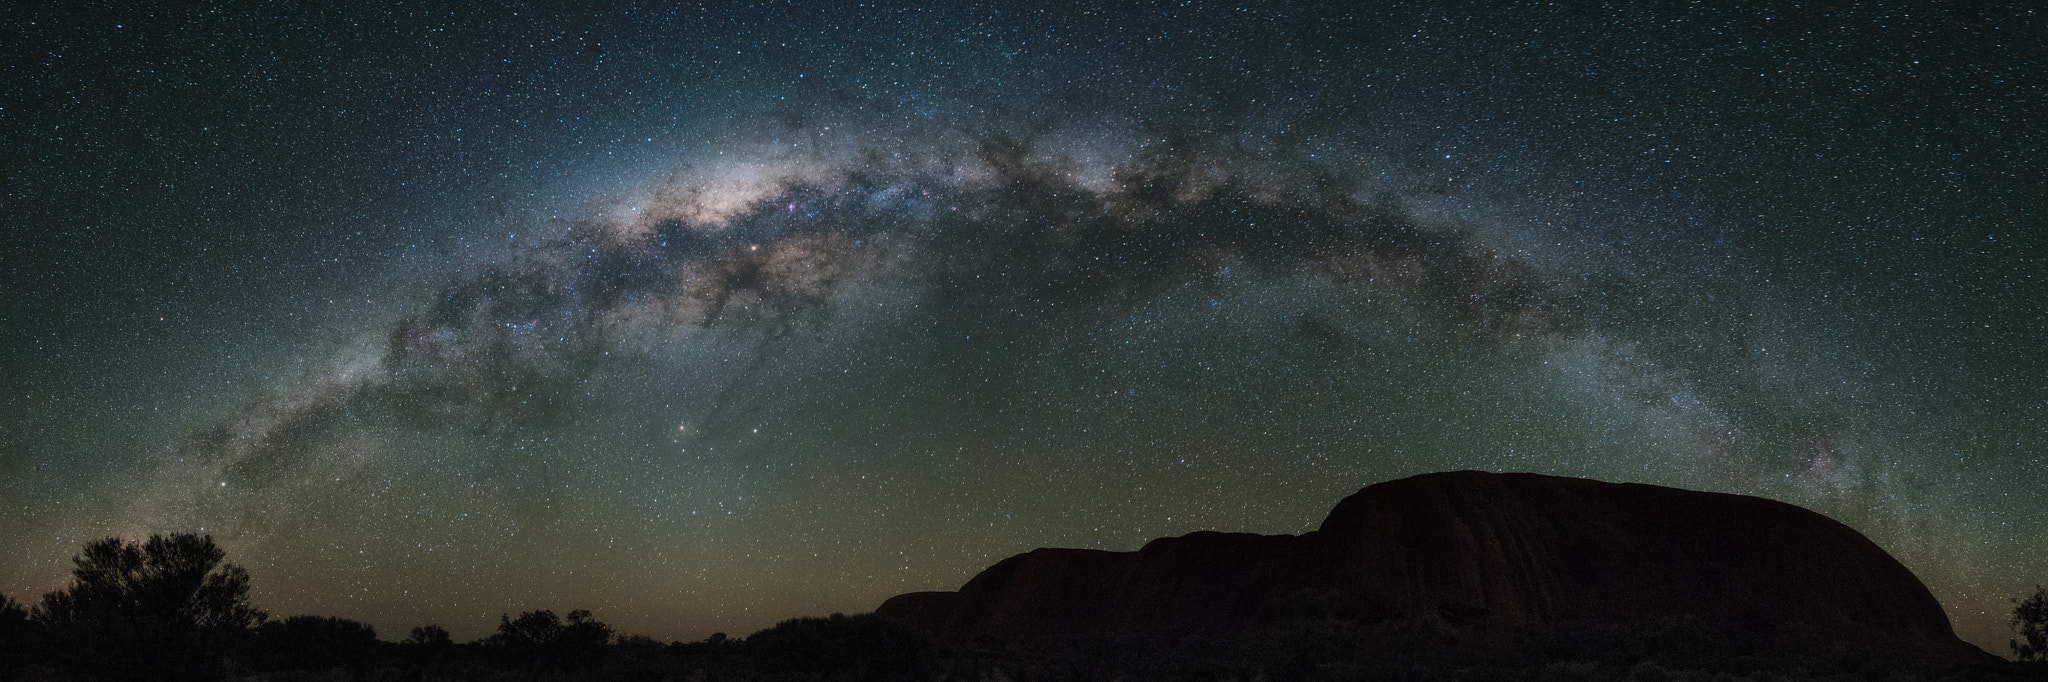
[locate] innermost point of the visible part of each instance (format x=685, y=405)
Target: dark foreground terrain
x=867, y=647
x=1451, y=576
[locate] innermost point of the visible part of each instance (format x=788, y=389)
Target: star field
x=704, y=318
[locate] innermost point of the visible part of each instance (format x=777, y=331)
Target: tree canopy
x=2030, y=620
x=173, y=584
x=543, y=634
x=160, y=603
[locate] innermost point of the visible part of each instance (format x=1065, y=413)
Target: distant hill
x=1476, y=564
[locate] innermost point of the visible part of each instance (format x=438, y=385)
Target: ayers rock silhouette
x=1475, y=559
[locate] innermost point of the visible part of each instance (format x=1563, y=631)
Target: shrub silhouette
x=583, y=633
x=427, y=645
x=2030, y=619
x=429, y=636
x=316, y=643
x=543, y=636
x=17, y=634
x=164, y=608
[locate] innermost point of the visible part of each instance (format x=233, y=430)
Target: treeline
x=170, y=608
x=838, y=647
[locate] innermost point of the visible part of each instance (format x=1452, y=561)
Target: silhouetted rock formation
x=1475, y=561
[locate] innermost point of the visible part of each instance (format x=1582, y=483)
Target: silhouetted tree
x=316, y=643
x=431, y=636
x=532, y=631
x=164, y=608
x=427, y=645
x=639, y=644
x=541, y=635
x=12, y=612
x=2030, y=618
x=17, y=634
x=584, y=632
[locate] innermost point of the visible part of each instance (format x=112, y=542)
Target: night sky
x=704, y=318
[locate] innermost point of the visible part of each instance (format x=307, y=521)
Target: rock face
x=1476, y=559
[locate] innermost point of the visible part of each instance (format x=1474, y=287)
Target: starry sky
x=708, y=316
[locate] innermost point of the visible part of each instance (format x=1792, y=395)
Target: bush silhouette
x=2030, y=619
x=12, y=613
x=164, y=608
x=316, y=643
x=17, y=634
x=583, y=632
x=541, y=635
x=430, y=637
